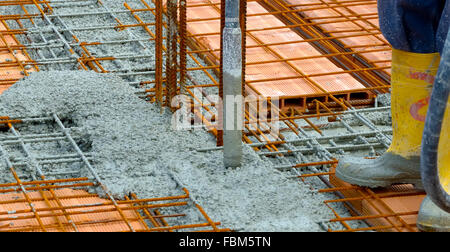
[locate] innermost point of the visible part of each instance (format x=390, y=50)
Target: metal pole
x=232, y=86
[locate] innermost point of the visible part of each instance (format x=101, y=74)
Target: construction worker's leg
x=412, y=28
x=415, y=25
x=411, y=81
x=417, y=30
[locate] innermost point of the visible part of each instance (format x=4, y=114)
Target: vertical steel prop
x=233, y=107
x=243, y=20
x=220, y=111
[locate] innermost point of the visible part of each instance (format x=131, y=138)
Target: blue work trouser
x=418, y=26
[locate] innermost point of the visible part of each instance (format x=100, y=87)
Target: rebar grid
x=338, y=17
x=276, y=56
x=12, y=58
x=166, y=81
x=380, y=209
x=312, y=147
x=206, y=109
x=79, y=54
x=32, y=202
x=308, y=147
x=303, y=23
x=287, y=119
x=377, y=208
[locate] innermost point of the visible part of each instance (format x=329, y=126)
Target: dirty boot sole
x=431, y=218
x=372, y=183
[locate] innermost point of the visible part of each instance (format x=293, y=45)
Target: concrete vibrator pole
x=233, y=108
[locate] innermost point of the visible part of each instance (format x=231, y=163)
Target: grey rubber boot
x=432, y=218
x=384, y=171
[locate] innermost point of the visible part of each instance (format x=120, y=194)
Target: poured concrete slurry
x=135, y=150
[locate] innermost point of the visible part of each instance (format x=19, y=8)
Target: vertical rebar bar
x=243, y=19
x=159, y=52
x=182, y=26
x=220, y=111
x=171, y=53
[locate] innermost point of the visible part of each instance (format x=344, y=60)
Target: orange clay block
x=345, y=18
x=257, y=75
x=109, y=221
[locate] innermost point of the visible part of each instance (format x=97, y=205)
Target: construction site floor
x=87, y=148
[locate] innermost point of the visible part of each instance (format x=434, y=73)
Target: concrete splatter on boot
x=384, y=171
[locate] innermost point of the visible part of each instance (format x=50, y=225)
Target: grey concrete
x=134, y=149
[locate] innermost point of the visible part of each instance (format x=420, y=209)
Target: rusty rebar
x=159, y=52
x=172, y=52
x=182, y=24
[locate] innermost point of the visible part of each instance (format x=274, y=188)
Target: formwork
x=326, y=60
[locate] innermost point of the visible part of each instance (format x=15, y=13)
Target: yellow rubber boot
x=412, y=77
x=444, y=151
x=412, y=80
